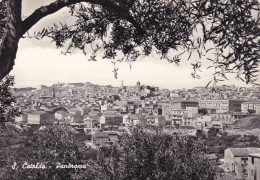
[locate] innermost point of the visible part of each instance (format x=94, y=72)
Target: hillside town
x=103, y=113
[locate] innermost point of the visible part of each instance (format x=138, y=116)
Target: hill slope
x=250, y=122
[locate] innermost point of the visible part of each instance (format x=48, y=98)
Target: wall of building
x=257, y=108
x=253, y=168
x=111, y=120
x=235, y=105
x=237, y=165
x=33, y=119
x=220, y=105
x=46, y=118
x=22, y=118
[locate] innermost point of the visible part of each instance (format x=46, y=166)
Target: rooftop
x=37, y=113
x=251, y=102
x=257, y=155
x=242, y=152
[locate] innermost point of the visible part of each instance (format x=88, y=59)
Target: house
x=188, y=121
x=60, y=115
x=219, y=105
x=39, y=118
x=177, y=113
x=235, y=105
x=131, y=120
x=257, y=107
x=204, y=122
x=123, y=109
x=176, y=122
x=94, y=117
x=105, y=107
x=192, y=112
x=90, y=123
x=254, y=166
x=155, y=120
x=188, y=104
x=236, y=160
x=254, y=106
x=23, y=118
x=102, y=139
x=111, y=119
x=128, y=119
x=113, y=136
x=74, y=118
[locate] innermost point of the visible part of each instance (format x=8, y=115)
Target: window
x=244, y=160
x=252, y=160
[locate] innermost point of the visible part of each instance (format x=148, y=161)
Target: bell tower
x=138, y=83
x=53, y=93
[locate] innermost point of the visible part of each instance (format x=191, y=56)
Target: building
x=254, y=166
x=235, y=105
x=40, y=118
x=23, y=118
x=257, y=107
x=74, y=117
x=219, y=105
x=253, y=106
x=111, y=119
x=188, y=104
x=177, y=113
x=189, y=121
x=183, y=104
x=128, y=119
x=155, y=120
x=236, y=160
x=90, y=123
x=164, y=106
x=185, y=116
x=102, y=139
x=204, y=122
x=60, y=115
x=225, y=120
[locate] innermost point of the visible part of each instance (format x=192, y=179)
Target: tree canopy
x=142, y=154
x=48, y=148
x=7, y=100
x=226, y=32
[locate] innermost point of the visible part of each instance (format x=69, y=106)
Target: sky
x=39, y=62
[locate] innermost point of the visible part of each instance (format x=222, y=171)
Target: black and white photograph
x=129, y=90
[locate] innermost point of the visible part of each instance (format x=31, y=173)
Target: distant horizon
x=132, y=85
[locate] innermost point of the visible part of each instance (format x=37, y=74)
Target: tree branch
x=59, y=4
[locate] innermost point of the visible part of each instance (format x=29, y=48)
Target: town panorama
x=226, y=118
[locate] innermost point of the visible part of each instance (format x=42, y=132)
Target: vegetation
x=146, y=155
x=251, y=111
x=47, y=148
x=7, y=100
x=216, y=142
x=213, y=132
x=226, y=32
x=249, y=122
x=203, y=111
x=141, y=155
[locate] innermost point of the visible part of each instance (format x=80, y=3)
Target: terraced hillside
x=249, y=122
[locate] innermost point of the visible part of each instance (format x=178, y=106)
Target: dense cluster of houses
x=92, y=106
x=104, y=112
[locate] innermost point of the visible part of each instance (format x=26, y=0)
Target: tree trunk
x=12, y=34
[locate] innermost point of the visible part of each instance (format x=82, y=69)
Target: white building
x=250, y=105
x=220, y=105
